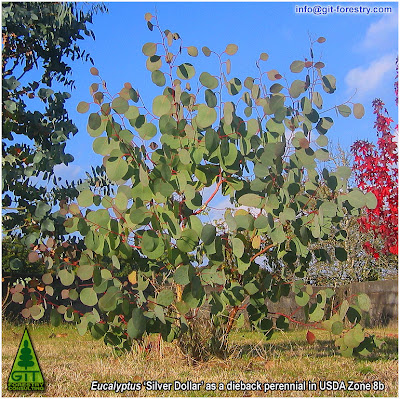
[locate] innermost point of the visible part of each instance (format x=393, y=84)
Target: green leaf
x=137, y=324
x=344, y=110
x=108, y=302
x=344, y=172
x=161, y=105
x=85, y=272
x=88, y=296
x=149, y=49
x=297, y=87
x=306, y=105
x=317, y=99
x=192, y=51
x=322, y=154
x=183, y=274
x=165, y=297
x=231, y=49
x=208, y=234
x=251, y=288
x=297, y=66
x=328, y=209
x=182, y=307
x=261, y=222
x=252, y=200
x=341, y=254
x=206, y=51
x=316, y=314
x=302, y=298
x=337, y=328
x=322, y=140
x=16, y=264
x=211, y=98
x=66, y=277
x=238, y=247
x=234, y=86
x=147, y=131
x=353, y=314
x=120, y=105
x=364, y=302
x=208, y=80
x=278, y=235
x=85, y=198
x=188, y=241
x=158, y=78
x=159, y=312
x=211, y=140
x=276, y=88
x=150, y=240
x=228, y=112
x=98, y=330
x=229, y=156
x=94, y=121
x=153, y=63
x=356, y=198
x=275, y=127
x=184, y=156
x=185, y=71
x=370, y=200
x=55, y=318
x=83, y=107
x=206, y=116
x=115, y=262
x=126, y=136
x=282, y=323
x=352, y=338
x=116, y=168
x=329, y=83
x=265, y=324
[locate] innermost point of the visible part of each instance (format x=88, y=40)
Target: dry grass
x=70, y=362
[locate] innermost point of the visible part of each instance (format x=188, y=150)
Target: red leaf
x=310, y=337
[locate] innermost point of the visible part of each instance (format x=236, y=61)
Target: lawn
x=70, y=363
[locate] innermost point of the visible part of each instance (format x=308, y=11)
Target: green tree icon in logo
x=25, y=356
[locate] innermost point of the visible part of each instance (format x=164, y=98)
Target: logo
x=25, y=373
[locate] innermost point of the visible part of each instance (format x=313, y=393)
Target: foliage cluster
x=39, y=39
x=258, y=144
x=376, y=170
x=256, y=141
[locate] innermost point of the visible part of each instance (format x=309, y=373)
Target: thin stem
x=262, y=251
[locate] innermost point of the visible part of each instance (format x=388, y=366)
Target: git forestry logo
x=25, y=373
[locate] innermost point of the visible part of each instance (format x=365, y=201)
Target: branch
x=297, y=321
x=262, y=251
x=211, y=197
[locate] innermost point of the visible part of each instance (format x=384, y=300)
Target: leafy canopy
x=252, y=141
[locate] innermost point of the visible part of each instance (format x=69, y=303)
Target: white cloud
x=382, y=32
x=69, y=172
x=366, y=79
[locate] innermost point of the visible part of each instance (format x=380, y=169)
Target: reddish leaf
x=376, y=170
x=310, y=337
x=33, y=257
x=94, y=71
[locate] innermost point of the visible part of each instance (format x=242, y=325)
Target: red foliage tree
x=376, y=171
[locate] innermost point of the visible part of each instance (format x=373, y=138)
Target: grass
x=70, y=363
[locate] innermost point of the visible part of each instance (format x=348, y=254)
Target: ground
x=70, y=363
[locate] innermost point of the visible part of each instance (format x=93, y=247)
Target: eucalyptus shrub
x=256, y=141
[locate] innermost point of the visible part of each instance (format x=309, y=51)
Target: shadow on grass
x=321, y=349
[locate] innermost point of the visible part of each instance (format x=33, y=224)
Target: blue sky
x=360, y=52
